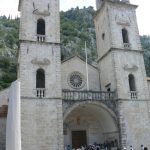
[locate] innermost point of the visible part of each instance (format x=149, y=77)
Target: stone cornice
x=36, y=42
x=133, y=100
x=114, y=3
x=118, y=49
x=36, y=98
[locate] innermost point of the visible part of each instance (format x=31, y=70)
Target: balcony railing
x=41, y=38
x=87, y=95
x=40, y=92
x=133, y=94
x=127, y=45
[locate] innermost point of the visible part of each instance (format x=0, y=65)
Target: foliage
x=145, y=40
x=8, y=50
x=76, y=28
x=8, y=71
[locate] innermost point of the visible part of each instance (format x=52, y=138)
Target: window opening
x=125, y=36
x=132, y=83
x=41, y=27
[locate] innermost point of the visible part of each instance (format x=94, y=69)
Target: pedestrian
x=68, y=147
x=142, y=147
x=145, y=148
x=131, y=148
x=124, y=148
x=65, y=148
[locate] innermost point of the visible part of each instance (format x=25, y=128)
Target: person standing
x=142, y=147
x=131, y=148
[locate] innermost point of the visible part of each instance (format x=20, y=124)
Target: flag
x=13, y=126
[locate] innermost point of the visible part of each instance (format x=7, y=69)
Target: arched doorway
x=86, y=123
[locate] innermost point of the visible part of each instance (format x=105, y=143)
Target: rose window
x=76, y=80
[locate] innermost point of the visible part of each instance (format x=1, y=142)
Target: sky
x=10, y=7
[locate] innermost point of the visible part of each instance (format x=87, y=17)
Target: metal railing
x=87, y=95
x=41, y=38
x=40, y=92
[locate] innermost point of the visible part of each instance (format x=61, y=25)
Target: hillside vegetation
x=76, y=28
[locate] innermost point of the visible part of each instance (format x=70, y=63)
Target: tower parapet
x=100, y=2
x=39, y=72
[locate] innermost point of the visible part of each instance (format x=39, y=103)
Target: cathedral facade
x=57, y=109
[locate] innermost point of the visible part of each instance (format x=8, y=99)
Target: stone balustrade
x=127, y=45
x=40, y=92
x=41, y=38
x=133, y=94
x=87, y=95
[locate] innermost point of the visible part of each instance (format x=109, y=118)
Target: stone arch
x=70, y=109
x=95, y=118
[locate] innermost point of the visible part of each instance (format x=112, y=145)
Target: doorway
x=78, y=139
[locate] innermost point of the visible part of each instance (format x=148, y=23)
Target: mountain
x=76, y=27
x=8, y=50
x=145, y=40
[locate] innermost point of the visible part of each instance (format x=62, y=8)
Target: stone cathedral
x=56, y=107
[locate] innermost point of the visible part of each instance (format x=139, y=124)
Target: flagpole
x=87, y=74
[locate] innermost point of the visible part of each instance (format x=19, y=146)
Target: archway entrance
x=90, y=123
x=78, y=138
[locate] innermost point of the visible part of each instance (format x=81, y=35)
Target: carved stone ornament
x=123, y=19
x=36, y=61
x=42, y=13
x=130, y=67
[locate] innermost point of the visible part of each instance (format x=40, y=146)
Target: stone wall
x=41, y=122
x=109, y=22
x=3, y=114
x=117, y=62
x=4, y=97
x=134, y=123
x=34, y=56
x=102, y=27
x=130, y=62
x=121, y=16
x=107, y=74
x=75, y=64
x=28, y=20
x=2, y=133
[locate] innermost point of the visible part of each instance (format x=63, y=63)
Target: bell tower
x=39, y=73
x=121, y=64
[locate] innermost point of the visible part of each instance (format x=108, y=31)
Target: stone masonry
x=114, y=108
x=121, y=61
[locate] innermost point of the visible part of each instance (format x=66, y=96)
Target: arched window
x=125, y=36
x=41, y=27
x=40, y=78
x=132, y=82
